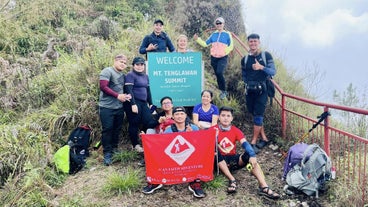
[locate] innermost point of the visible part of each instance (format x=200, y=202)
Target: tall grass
x=128, y=182
x=42, y=102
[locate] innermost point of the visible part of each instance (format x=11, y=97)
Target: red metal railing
x=347, y=151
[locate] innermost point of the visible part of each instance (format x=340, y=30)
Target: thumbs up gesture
x=257, y=65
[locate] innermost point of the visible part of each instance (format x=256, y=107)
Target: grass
x=125, y=156
x=218, y=183
x=341, y=194
x=130, y=181
x=47, y=96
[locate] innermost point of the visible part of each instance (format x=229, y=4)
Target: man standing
x=110, y=104
x=157, y=41
x=255, y=73
x=222, y=45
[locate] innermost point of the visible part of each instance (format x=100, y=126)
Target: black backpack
x=269, y=84
x=175, y=129
x=79, y=141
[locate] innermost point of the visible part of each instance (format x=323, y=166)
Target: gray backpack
x=313, y=171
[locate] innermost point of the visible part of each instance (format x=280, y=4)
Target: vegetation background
x=51, y=54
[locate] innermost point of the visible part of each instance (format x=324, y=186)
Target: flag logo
x=226, y=145
x=179, y=149
x=179, y=157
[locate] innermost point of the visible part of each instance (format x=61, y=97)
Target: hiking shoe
x=255, y=148
x=107, y=159
x=150, y=188
x=287, y=190
x=196, y=189
x=138, y=148
x=141, y=163
x=262, y=144
x=223, y=95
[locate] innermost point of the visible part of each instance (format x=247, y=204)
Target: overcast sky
x=330, y=36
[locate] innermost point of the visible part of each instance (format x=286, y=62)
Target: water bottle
x=333, y=172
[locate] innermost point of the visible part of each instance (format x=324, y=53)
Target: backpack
x=312, y=173
x=71, y=157
x=294, y=157
x=79, y=140
x=175, y=129
x=269, y=84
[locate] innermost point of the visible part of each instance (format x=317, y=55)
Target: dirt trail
x=86, y=187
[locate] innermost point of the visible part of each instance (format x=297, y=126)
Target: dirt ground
x=85, y=188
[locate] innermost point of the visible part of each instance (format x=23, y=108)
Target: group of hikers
x=129, y=93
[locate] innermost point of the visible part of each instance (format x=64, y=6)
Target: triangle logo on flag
x=226, y=145
x=179, y=149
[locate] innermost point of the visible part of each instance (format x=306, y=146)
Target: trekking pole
x=321, y=117
x=216, y=150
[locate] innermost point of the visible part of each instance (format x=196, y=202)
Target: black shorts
x=232, y=161
x=256, y=103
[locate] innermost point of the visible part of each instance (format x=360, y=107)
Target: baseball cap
x=219, y=20
x=158, y=21
x=138, y=60
x=253, y=36
x=178, y=109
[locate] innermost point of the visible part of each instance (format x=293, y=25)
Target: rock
x=273, y=147
x=292, y=204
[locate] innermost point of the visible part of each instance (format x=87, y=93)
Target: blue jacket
x=216, y=37
x=162, y=40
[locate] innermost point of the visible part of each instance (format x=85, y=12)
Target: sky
x=324, y=37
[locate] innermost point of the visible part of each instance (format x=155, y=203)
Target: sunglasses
x=218, y=23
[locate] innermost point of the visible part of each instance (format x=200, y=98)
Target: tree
x=194, y=16
x=356, y=122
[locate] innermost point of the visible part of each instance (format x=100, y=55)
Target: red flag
x=179, y=157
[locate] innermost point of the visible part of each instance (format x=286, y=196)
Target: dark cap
x=178, y=109
x=158, y=21
x=253, y=36
x=138, y=60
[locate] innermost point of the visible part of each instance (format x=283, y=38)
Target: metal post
x=327, y=133
x=283, y=116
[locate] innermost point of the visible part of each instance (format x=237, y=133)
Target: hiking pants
x=219, y=66
x=143, y=117
x=112, y=123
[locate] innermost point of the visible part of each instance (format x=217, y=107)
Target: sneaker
x=255, y=148
x=141, y=163
x=107, y=159
x=150, y=188
x=287, y=190
x=138, y=148
x=223, y=95
x=196, y=189
x=262, y=144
